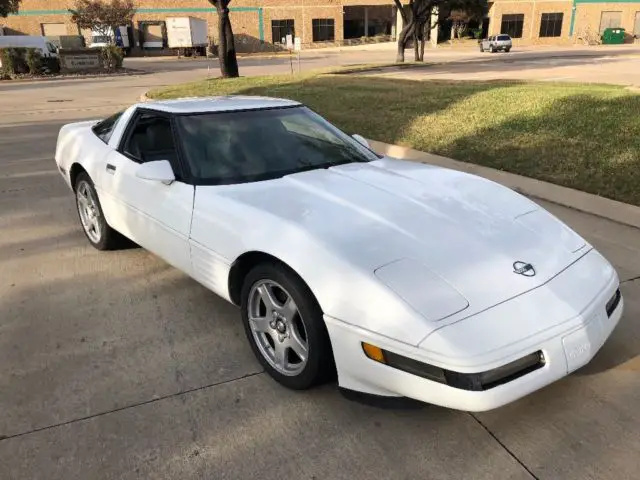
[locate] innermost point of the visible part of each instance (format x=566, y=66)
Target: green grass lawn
x=581, y=136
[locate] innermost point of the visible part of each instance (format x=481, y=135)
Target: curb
x=64, y=78
x=619, y=212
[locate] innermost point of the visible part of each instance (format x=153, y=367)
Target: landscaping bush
x=17, y=61
x=5, y=63
x=113, y=57
x=14, y=61
x=33, y=59
x=50, y=65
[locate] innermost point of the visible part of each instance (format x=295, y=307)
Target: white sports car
x=404, y=279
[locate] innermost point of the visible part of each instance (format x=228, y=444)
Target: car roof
x=217, y=104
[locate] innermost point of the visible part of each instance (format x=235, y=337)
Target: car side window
x=104, y=129
x=151, y=139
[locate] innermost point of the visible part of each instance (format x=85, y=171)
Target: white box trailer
x=187, y=33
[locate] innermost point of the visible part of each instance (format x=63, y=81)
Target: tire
x=492, y=49
x=100, y=235
x=281, y=330
x=481, y=48
x=507, y=50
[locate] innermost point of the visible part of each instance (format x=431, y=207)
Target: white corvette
x=405, y=279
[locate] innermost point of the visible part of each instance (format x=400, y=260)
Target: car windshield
x=248, y=146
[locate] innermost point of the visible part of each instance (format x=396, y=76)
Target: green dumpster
x=613, y=36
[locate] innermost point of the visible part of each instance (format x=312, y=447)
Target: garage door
x=53, y=29
x=610, y=20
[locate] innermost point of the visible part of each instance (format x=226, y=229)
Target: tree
x=103, y=17
x=459, y=21
x=8, y=6
x=227, y=47
x=417, y=20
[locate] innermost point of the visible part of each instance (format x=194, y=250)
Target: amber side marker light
x=373, y=352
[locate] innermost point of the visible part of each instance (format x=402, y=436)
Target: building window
x=280, y=29
x=610, y=20
x=324, y=29
x=551, y=25
x=512, y=25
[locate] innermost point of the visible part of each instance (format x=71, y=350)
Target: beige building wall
x=587, y=16
x=532, y=17
x=251, y=19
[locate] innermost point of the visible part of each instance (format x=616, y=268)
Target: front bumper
x=565, y=350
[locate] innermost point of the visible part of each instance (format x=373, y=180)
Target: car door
x=155, y=215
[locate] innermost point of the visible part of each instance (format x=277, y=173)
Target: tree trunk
x=403, y=38
x=227, y=48
x=425, y=34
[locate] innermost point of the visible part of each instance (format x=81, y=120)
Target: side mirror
x=158, y=171
x=361, y=140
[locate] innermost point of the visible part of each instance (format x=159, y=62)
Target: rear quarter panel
x=77, y=144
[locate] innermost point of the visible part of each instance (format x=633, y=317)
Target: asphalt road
x=115, y=365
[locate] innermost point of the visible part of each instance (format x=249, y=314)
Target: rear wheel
x=481, y=48
x=284, y=325
x=507, y=50
x=94, y=225
x=492, y=49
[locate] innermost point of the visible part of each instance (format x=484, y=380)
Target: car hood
x=444, y=241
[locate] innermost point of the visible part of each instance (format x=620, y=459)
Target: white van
x=104, y=36
x=47, y=49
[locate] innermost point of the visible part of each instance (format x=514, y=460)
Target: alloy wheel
x=89, y=211
x=278, y=327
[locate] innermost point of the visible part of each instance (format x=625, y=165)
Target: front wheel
x=96, y=229
x=284, y=325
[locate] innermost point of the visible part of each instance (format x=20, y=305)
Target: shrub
x=113, y=57
x=5, y=63
x=51, y=65
x=13, y=61
x=33, y=59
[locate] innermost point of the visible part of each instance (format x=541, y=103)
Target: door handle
x=111, y=168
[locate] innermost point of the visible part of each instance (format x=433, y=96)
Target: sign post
x=297, y=46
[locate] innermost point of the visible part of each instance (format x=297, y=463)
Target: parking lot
x=115, y=365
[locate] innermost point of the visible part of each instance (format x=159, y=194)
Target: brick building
x=561, y=21
x=257, y=24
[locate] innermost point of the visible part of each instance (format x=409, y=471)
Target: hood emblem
x=525, y=269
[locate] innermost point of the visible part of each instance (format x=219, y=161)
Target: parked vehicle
x=46, y=48
x=408, y=279
x=188, y=34
x=496, y=43
x=104, y=36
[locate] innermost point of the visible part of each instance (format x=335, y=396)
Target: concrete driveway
x=115, y=365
